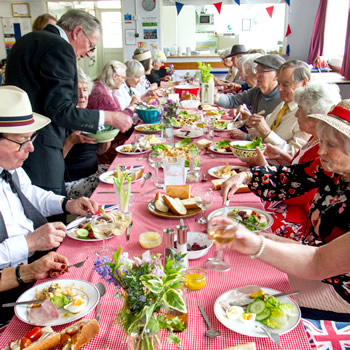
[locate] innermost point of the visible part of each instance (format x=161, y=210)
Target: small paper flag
x=288, y=49
x=238, y=2
x=218, y=6
x=270, y=10
x=289, y=31
x=179, y=7
x=288, y=2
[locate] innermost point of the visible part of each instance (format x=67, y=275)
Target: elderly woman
x=158, y=73
x=247, y=68
x=329, y=173
x=42, y=21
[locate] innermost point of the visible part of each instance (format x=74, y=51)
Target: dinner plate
x=73, y=226
x=212, y=171
x=119, y=149
x=222, y=211
x=144, y=128
x=81, y=287
x=191, y=133
x=107, y=177
x=253, y=330
x=220, y=151
x=170, y=215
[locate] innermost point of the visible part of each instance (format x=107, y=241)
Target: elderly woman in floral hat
x=329, y=213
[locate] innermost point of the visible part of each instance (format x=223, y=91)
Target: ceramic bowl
x=201, y=239
x=108, y=133
x=243, y=152
x=149, y=116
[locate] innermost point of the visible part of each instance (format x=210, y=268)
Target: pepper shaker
x=181, y=247
x=168, y=238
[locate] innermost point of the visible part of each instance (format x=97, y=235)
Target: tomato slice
x=25, y=342
x=34, y=334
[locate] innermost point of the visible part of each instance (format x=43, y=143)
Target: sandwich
x=247, y=346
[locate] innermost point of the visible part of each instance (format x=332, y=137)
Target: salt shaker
x=181, y=247
x=168, y=238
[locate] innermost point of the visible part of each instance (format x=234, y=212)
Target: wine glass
x=220, y=234
x=203, y=199
x=155, y=161
x=103, y=227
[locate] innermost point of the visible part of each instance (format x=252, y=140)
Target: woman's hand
x=231, y=185
x=134, y=101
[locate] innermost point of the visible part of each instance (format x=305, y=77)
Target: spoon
x=204, y=177
x=102, y=290
x=146, y=177
x=211, y=333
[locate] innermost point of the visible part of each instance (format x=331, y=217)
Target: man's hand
x=258, y=122
x=81, y=206
x=77, y=137
x=118, y=120
x=46, y=237
x=238, y=134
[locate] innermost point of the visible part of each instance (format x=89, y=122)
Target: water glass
x=204, y=199
x=174, y=170
x=155, y=161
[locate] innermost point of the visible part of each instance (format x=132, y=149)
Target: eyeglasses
x=92, y=46
x=262, y=71
x=22, y=145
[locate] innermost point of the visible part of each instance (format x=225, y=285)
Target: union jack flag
x=328, y=335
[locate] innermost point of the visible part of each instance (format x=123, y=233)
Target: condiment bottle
x=168, y=238
x=181, y=246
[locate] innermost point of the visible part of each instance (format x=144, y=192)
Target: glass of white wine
x=221, y=234
x=103, y=227
x=204, y=199
x=155, y=161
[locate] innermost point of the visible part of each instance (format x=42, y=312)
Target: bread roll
x=178, y=191
x=160, y=204
x=247, y=346
x=204, y=143
x=189, y=203
x=218, y=182
x=175, y=205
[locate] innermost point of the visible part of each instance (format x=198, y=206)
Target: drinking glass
x=221, y=235
x=103, y=227
x=203, y=199
x=155, y=161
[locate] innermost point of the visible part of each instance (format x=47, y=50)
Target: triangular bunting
x=238, y=2
x=218, y=6
x=289, y=31
x=179, y=7
x=288, y=2
x=270, y=10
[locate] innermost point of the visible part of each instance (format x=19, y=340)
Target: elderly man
x=24, y=231
x=262, y=98
x=44, y=64
x=281, y=127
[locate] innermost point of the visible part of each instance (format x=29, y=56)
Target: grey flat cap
x=270, y=61
x=236, y=50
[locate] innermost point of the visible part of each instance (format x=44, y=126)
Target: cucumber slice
x=263, y=315
x=256, y=306
x=82, y=233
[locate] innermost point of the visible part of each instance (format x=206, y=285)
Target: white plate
x=140, y=128
x=71, y=232
x=211, y=171
x=253, y=330
x=221, y=151
x=221, y=211
x=82, y=287
x=191, y=133
x=119, y=149
x=107, y=177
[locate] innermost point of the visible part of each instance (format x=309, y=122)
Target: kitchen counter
x=190, y=62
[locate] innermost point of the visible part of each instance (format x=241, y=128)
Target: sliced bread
x=160, y=204
x=175, y=205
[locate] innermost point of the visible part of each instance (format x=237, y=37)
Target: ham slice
x=44, y=314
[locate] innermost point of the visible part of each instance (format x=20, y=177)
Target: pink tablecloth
x=244, y=271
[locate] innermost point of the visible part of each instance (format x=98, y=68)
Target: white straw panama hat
x=338, y=117
x=16, y=115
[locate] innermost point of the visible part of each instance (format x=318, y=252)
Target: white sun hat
x=16, y=114
x=338, y=117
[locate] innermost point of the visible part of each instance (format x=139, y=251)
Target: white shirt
x=123, y=95
x=14, y=250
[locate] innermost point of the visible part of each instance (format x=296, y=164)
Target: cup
x=188, y=51
x=174, y=170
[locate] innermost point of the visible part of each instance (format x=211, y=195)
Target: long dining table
x=244, y=270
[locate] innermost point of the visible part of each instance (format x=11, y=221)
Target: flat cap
x=236, y=50
x=270, y=61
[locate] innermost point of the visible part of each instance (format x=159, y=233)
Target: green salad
x=253, y=145
x=151, y=127
x=221, y=125
x=223, y=144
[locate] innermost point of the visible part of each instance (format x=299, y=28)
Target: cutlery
x=155, y=188
x=78, y=264
x=102, y=290
x=204, y=177
x=217, y=135
x=275, y=337
x=128, y=231
x=146, y=177
x=211, y=333
x=274, y=295
x=182, y=223
x=36, y=301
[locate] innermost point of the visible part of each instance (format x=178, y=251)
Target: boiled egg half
x=247, y=318
x=234, y=312
x=78, y=304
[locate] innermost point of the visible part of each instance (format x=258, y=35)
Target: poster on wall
x=150, y=34
x=130, y=37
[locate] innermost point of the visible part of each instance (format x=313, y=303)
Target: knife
x=36, y=301
x=273, y=295
x=143, y=194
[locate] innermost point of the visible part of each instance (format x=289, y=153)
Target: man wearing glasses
x=44, y=64
x=264, y=96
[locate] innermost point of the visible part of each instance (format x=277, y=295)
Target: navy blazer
x=44, y=65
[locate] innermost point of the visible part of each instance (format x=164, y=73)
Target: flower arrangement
x=170, y=109
x=148, y=289
x=205, y=72
x=170, y=69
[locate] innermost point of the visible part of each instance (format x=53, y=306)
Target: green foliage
x=205, y=72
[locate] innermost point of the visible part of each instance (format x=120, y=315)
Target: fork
x=273, y=336
x=78, y=264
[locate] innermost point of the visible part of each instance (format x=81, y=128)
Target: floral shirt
x=330, y=209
